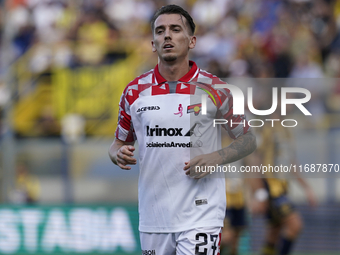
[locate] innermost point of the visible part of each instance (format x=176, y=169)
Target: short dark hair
x=174, y=9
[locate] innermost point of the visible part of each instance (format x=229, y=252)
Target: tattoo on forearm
x=223, y=155
x=241, y=147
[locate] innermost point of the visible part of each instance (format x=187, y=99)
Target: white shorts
x=198, y=241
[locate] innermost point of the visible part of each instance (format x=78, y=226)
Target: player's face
x=171, y=37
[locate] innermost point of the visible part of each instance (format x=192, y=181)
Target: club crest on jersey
x=180, y=111
x=195, y=108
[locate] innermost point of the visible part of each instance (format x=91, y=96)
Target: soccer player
x=181, y=211
x=236, y=216
x=284, y=222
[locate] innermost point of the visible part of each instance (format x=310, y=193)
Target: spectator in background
x=27, y=186
x=47, y=124
x=323, y=25
x=284, y=223
x=236, y=216
x=4, y=98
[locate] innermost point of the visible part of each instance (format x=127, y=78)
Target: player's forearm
x=239, y=148
x=115, y=146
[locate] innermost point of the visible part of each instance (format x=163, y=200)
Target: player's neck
x=173, y=72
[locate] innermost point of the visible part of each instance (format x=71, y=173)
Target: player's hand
x=125, y=157
x=197, y=167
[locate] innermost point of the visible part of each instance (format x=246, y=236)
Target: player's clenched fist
x=125, y=157
x=121, y=153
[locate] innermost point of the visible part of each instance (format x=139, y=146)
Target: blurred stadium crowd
x=243, y=38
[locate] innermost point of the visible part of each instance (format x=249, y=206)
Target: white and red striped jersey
x=166, y=118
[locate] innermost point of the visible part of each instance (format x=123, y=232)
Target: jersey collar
x=186, y=78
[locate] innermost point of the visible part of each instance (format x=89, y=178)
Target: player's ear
x=192, y=42
x=153, y=46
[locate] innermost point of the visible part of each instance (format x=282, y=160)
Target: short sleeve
x=125, y=131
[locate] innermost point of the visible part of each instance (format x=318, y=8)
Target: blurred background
x=63, y=67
